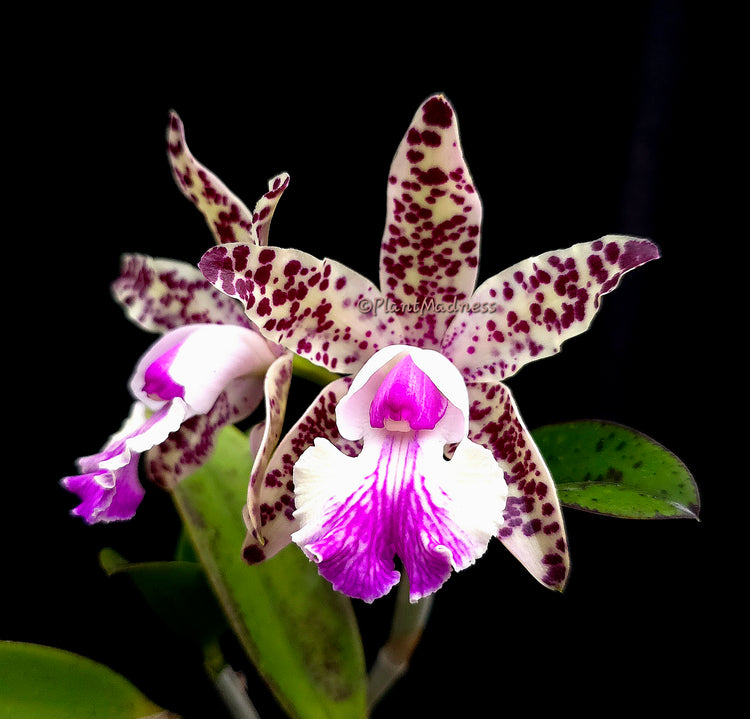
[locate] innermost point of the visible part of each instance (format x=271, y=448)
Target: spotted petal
x=227, y=217
x=274, y=503
x=430, y=249
x=160, y=295
x=528, y=311
x=319, y=309
x=533, y=528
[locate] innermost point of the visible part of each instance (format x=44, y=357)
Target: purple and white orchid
x=210, y=368
x=420, y=451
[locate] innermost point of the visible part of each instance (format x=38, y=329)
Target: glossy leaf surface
x=38, y=682
x=300, y=634
x=610, y=469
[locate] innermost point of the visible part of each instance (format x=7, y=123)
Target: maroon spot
x=239, y=255
x=266, y=255
x=431, y=139
x=437, y=112
x=433, y=176
x=253, y=554
x=263, y=274
x=543, y=277
x=264, y=307
x=414, y=156
x=292, y=267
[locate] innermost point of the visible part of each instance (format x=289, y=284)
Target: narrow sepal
x=430, y=249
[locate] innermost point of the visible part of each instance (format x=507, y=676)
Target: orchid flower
x=424, y=358
x=211, y=367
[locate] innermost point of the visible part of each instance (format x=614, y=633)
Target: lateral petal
x=203, y=360
x=430, y=248
x=318, y=309
x=528, y=311
x=533, y=528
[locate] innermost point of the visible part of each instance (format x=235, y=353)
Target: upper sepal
x=430, y=248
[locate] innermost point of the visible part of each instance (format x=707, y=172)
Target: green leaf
x=177, y=591
x=38, y=682
x=610, y=469
x=300, y=634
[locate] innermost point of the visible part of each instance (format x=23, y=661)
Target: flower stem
x=228, y=684
x=393, y=658
x=302, y=367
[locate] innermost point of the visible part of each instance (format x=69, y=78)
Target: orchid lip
x=407, y=399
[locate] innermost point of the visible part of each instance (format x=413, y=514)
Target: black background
x=574, y=124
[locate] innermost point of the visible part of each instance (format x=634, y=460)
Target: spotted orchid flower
x=363, y=475
x=211, y=367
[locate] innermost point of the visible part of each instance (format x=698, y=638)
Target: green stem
x=393, y=658
x=302, y=367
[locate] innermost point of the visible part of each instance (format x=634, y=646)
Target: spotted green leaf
x=610, y=469
x=38, y=682
x=300, y=634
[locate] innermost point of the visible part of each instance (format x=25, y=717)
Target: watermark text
x=387, y=306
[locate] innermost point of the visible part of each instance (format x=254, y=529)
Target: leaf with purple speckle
x=300, y=634
x=610, y=469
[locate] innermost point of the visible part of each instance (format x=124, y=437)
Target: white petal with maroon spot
x=319, y=309
x=161, y=294
x=538, y=304
x=533, y=528
x=430, y=248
